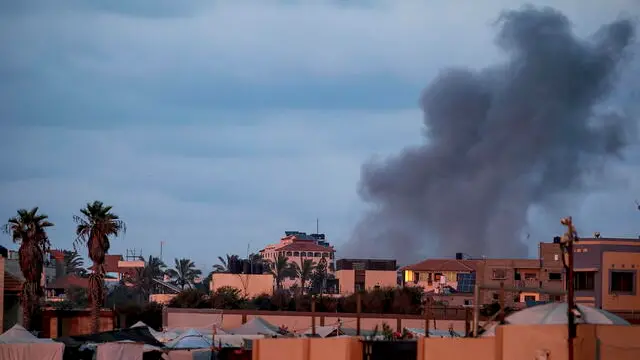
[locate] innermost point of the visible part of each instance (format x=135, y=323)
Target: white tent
x=257, y=326
x=19, y=335
x=556, y=313
x=324, y=331
x=190, y=339
x=234, y=341
x=19, y=344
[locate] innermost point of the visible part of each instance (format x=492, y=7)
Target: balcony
x=529, y=283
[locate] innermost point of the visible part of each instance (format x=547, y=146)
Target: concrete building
x=606, y=273
x=116, y=268
x=298, y=247
x=453, y=280
x=365, y=274
x=250, y=285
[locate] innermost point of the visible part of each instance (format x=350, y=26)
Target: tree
x=73, y=263
x=94, y=227
x=184, y=273
x=303, y=272
x=28, y=228
x=280, y=269
x=144, y=280
x=226, y=265
x=319, y=276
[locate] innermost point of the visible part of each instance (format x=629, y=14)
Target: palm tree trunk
x=96, y=296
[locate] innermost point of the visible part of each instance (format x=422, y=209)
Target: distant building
x=365, y=274
x=606, y=273
x=299, y=246
x=250, y=285
x=454, y=279
x=116, y=268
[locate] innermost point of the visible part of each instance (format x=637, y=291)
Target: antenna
x=318, y=225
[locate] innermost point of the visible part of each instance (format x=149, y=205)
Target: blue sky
x=212, y=125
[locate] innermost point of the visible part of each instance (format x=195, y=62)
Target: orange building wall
x=250, y=285
x=620, y=261
x=347, y=280
x=456, y=348
x=373, y=278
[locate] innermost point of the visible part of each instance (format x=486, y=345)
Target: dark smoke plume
x=497, y=142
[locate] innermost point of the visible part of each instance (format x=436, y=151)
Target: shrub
x=227, y=297
x=190, y=298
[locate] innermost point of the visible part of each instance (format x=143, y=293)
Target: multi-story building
x=365, y=274
x=299, y=246
x=454, y=279
x=116, y=268
x=606, y=273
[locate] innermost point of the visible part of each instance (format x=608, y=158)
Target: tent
x=556, y=313
x=137, y=335
x=190, y=339
x=325, y=331
x=19, y=344
x=234, y=341
x=119, y=350
x=257, y=326
x=435, y=333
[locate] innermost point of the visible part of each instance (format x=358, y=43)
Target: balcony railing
x=529, y=283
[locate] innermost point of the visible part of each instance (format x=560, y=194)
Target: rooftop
x=69, y=281
x=110, y=263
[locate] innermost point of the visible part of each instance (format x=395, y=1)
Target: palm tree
x=303, y=272
x=94, y=227
x=226, y=265
x=184, y=272
x=73, y=263
x=144, y=279
x=29, y=229
x=280, y=269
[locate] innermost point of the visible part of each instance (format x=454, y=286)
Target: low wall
x=307, y=349
x=605, y=342
x=58, y=323
x=297, y=321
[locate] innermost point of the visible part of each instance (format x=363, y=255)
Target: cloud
x=212, y=124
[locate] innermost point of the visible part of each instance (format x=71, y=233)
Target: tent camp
x=256, y=326
x=190, y=339
x=19, y=344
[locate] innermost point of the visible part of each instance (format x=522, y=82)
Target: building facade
x=299, y=246
x=606, y=273
x=365, y=274
x=454, y=279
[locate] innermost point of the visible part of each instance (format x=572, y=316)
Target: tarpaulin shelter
x=256, y=326
x=19, y=344
x=120, y=351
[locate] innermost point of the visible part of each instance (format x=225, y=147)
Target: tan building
x=365, y=274
x=606, y=273
x=298, y=247
x=250, y=285
x=454, y=278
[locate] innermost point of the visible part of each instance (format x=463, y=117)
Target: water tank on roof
x=246, y=267
x=459, y=256
x=556, y=239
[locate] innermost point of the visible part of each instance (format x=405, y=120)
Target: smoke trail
x=498, y=141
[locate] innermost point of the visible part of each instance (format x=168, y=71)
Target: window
x=330, y=255
x=468, y=302
x=296, y=253
x=423, y=276
x=622, y=282
x=303, y=254
x=555, y=276
x=289, y=253
x=583, y=280
x=530, y=276
x=496, y=296
x=516, y=275
x=316, y=254
x=325, y=255
x=556, y=257
x=528, y=298
x=499, y=274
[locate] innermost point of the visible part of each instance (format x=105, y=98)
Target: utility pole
x=566, y=244
x=161, y=245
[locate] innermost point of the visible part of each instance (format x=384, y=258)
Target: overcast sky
x=218, y=125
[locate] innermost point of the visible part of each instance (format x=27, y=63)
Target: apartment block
x=365, y=274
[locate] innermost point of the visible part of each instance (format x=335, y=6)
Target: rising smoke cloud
x=498, y=141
